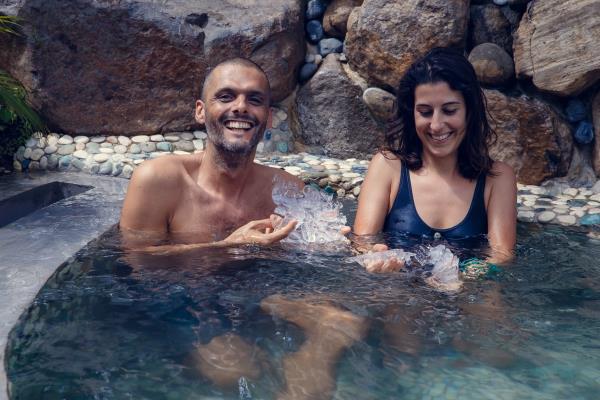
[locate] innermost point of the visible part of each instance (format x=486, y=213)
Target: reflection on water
x=107, y=326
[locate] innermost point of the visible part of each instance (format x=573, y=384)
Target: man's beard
x=232, y=154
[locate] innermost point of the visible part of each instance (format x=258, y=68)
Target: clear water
x=102, y=329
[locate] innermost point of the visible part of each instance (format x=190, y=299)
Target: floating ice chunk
x=444, y=275
x=319, y=215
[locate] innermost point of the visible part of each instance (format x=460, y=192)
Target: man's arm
x=151, y=198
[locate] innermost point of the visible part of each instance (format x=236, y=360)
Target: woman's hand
x=262, y=232
x=391, y=264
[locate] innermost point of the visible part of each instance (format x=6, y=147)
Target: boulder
x=531, y=137
x=332, y=115
x=488, y=24
x=387, y=36
x=335, y=20
x=131, y=66
x=382, y=104
x=557, y=45
x=492, y=64
x=596, y=119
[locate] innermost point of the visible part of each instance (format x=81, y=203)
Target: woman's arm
x=502, y=213
x=375, y=193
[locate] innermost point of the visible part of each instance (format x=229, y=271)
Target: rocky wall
x=135, y=67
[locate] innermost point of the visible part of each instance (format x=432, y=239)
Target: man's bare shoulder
x=163, y=172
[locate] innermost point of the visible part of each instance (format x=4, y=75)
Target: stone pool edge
x=32, y=247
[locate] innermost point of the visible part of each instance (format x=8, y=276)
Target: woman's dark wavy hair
x=449, y=66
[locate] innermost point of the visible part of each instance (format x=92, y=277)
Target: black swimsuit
x=404, y=219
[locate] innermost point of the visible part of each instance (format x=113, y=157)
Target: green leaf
x=10, y=24
x=13, y=97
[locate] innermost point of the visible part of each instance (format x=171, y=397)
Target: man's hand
x=260, y=232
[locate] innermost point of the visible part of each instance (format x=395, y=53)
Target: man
x=199, y=200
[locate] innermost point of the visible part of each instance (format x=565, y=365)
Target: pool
x=103, y=327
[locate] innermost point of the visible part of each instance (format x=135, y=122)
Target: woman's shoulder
x=385, y=160
x=501, y=171
x=502, y=177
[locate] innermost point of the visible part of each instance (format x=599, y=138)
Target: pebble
x=65, y=139
x=164, y=146
x=92, y=148
x=106, y=150
x=186, y=136
x=171, y=138
x=36, y=154
x=183, y=146
x=198, y=144
x=314, y=31
x=98, y=139
x=200, y=135
x=112, y=140
x=307, y=71
x=124, y=140
x=148, y=147
x=584, y=134
x=140, y=139
x=66, y=149
x=52, y=139
x=135, y=148
x=590, y=219
x=315, y=9
x=330, y=45
x=566, y=219
x=120, y=149
x=82, y=154
x=546, y=216
x=81, y=139
x=576, y=110
x=44, y=162
x=106, y=168
x=157, y=138
x=527, y=216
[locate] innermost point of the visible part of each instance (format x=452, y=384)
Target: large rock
x=488, y=24
x=332, y=114
x=492, y=64
x=557, y=45
x=596, y=119
x=387, y=36
x=336, y=17
x=531, y=137
x=125, y=67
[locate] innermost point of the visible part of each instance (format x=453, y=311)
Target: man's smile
x=238, y=124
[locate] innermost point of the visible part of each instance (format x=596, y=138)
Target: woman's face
x=440, y=119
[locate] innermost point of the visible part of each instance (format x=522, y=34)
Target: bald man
x=202, y=200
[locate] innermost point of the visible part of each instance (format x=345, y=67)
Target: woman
x=435, y=177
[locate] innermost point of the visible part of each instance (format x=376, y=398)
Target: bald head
x=234, y=62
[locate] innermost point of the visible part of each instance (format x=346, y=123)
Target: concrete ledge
x=32, y=247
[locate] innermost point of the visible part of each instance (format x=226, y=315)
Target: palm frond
x=13, y=97
x=9, y=24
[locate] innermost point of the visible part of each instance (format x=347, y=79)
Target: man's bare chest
x=216, y=218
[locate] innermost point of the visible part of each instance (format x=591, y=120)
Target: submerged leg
x=225, y=359
x=310, y=372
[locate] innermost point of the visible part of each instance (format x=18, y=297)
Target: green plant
x=18, y=120
x=9, y=24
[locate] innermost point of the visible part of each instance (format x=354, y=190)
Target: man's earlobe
x=199, y=114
